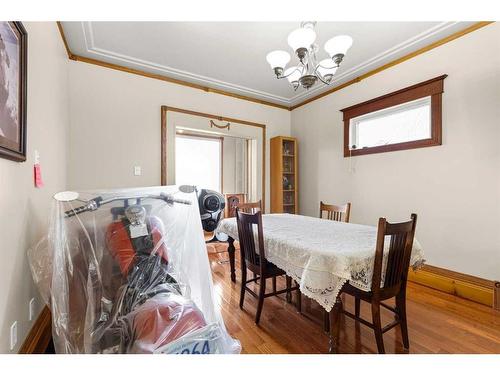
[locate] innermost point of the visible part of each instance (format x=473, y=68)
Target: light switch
x=137, y=170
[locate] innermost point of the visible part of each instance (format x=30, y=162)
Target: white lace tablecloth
x=321, y=255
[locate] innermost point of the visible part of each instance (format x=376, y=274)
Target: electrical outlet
x=32, y=309
x=137, y=171
x=13, y=335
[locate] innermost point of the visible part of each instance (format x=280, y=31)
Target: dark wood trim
x=400, y=60
x=433, y=87
x=165, y=109
x=40, y=334
x=413, y=92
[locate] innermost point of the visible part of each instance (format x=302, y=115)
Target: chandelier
x=308, y=71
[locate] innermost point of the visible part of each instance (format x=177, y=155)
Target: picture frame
x=13, y=90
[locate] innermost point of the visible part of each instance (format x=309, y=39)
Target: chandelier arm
x=317, y=74
x=289, y=74
x=321, y=79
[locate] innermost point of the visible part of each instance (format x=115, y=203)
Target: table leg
x=335, y=325
x=231, y=250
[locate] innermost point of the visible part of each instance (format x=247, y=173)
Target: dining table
x=320, y=255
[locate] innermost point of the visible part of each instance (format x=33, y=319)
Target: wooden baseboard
x=40, y=334
x=473, y=288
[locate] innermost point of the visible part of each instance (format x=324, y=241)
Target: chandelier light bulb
x=301, y=38
x=278, y=59
x=338, y=45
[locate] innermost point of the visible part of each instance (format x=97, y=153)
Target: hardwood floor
x=438, y=322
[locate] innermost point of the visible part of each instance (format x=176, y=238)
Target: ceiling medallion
x=308, y=71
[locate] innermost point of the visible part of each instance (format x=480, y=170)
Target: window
x=198, y=161
x=408, y=118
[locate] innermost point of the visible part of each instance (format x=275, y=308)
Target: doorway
x=198, y=161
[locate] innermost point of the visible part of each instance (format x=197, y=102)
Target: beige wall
x=115, y=124
x=25, y=209
x=234, y=165
x=455, y=188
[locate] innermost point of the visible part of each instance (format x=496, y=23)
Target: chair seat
x=384, y=294
x=270, y=269
x=353, y=291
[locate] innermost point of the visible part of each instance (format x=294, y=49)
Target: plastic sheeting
x=126, y=271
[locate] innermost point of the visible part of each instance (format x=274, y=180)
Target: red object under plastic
x=120, y=245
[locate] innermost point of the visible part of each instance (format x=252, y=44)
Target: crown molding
x=178, y=74
x=385, y=55
x=160, y=77
x=89, y=43
x=404, y=58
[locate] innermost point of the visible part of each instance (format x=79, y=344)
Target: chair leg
x=401, y=308
x=243, y=284
x=377, y=327
x=274, y=284
x=288, y=286
x=357, y=306
x=298, y=294
x=326, y=321
x=262, y=291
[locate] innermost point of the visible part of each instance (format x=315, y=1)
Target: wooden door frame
x=164, y=112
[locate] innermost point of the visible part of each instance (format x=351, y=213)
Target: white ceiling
x=231, y=56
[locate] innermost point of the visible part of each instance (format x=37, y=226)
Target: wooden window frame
x=433, y=88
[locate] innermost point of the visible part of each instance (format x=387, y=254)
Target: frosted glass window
x=407, y=122
x=198, y=162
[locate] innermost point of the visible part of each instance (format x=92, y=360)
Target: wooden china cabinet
x=284, y=175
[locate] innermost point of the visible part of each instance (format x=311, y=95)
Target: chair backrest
x=335, y=212
x=231, y=201
x=250, y=207
x=398, y=257
x=253, y=253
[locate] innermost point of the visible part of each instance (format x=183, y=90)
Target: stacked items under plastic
x=126, y=271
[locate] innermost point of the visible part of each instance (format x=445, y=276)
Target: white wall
x=24, y=208
x=455, y=188
x=115, y=124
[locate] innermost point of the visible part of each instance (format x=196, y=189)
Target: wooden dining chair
x=250, y=207
x=253, y=257
x=335, y=212
x=390, y=284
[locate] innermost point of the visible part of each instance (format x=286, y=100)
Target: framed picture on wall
x=13, y=75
